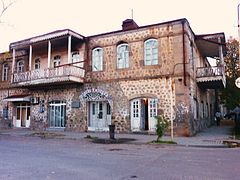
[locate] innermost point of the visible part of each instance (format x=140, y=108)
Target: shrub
x=161, y=125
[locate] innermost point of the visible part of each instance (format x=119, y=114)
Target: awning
x=18, y=98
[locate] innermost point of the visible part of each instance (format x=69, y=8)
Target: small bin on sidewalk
x=111, y=131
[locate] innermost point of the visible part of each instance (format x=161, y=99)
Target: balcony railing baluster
x=57, y=72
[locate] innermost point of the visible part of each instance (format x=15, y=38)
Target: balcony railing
x=66, y=72
x=211, y=77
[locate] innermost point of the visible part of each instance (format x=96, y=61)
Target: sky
x=29, y=18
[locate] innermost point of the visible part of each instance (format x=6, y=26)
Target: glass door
x=57, y=114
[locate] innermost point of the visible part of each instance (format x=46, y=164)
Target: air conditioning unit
x=34, y=100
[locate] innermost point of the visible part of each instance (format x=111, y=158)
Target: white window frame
x=37, y=63
x=5, y=72
x=97, y=59
x=151, y=52
x=77, y=58
x=56, y=61
x=20, y=66
x=122, y=56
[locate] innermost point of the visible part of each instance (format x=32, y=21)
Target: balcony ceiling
x=208, y=44
x=53, y=36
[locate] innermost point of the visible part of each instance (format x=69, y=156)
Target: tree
x=4, y=6
x=161, y=126
x=230, y=96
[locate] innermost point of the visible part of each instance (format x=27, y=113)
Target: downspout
x=184, y=53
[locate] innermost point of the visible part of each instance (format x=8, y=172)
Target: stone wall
x=123, y=92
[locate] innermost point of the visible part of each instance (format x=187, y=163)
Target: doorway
x=23, y=115
x=99, y=116
x=143, y=112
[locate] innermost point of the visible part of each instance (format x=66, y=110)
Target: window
x=122, y=56
x=151, y=52
x=56, y=61
x=76, y=58
x=37, y=63
x=97, y=59
x=20, y=66
x=5, y=72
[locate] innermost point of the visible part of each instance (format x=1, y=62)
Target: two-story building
x=65, y=80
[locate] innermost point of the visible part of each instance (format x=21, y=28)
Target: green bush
x=161, y=125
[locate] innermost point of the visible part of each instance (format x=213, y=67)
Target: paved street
x=24, y=157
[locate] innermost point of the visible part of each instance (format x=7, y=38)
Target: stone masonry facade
x=172, y=81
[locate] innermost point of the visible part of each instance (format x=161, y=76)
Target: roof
x=44, y=37
x=208, y=44
x=140, y=27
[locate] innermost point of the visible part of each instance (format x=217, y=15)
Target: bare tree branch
x=4, y=8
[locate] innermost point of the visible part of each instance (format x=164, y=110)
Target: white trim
x=49, y=54
x=69, y=49
x=26, y=99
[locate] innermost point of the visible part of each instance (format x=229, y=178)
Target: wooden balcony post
x=69, y=49
x=30, y=58
x=49, y=54
x=221, y=52
x=13, y=64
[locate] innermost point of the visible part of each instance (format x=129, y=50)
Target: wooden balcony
x=60, y=75
x=211, y=77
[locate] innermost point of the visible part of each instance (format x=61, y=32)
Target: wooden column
x=13, y=63
x=30, y=58
x=49, y=54
x=69, y=49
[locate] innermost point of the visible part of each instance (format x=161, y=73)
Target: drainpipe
x=184, y=53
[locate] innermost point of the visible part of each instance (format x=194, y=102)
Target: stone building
x=65, y=80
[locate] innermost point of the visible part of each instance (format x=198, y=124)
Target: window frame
x=151, y=48
x=37, y=62
x=5, y=69
x=20, y=66
x=57, y=60
x=97, y=60
x=124, y=54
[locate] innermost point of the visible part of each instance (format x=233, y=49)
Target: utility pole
x=238, y=32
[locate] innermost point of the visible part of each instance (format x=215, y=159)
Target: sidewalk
x=211, y=137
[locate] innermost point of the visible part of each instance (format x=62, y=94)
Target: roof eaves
x=140, y=27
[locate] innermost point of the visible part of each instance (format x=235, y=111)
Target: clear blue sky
x=28, y=18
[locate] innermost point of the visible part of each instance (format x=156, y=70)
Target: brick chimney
x=129, y=24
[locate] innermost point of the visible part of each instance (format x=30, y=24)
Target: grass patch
x=163, y=142
x=46, y=135
x=90, y=137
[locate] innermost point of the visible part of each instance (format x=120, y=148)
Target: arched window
x=151, y=52
x=75, y=57
x=97, y=59
x=5, y=72
x=37, y=63
x=20, y=66
x=122, y=56
x=56, y=61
